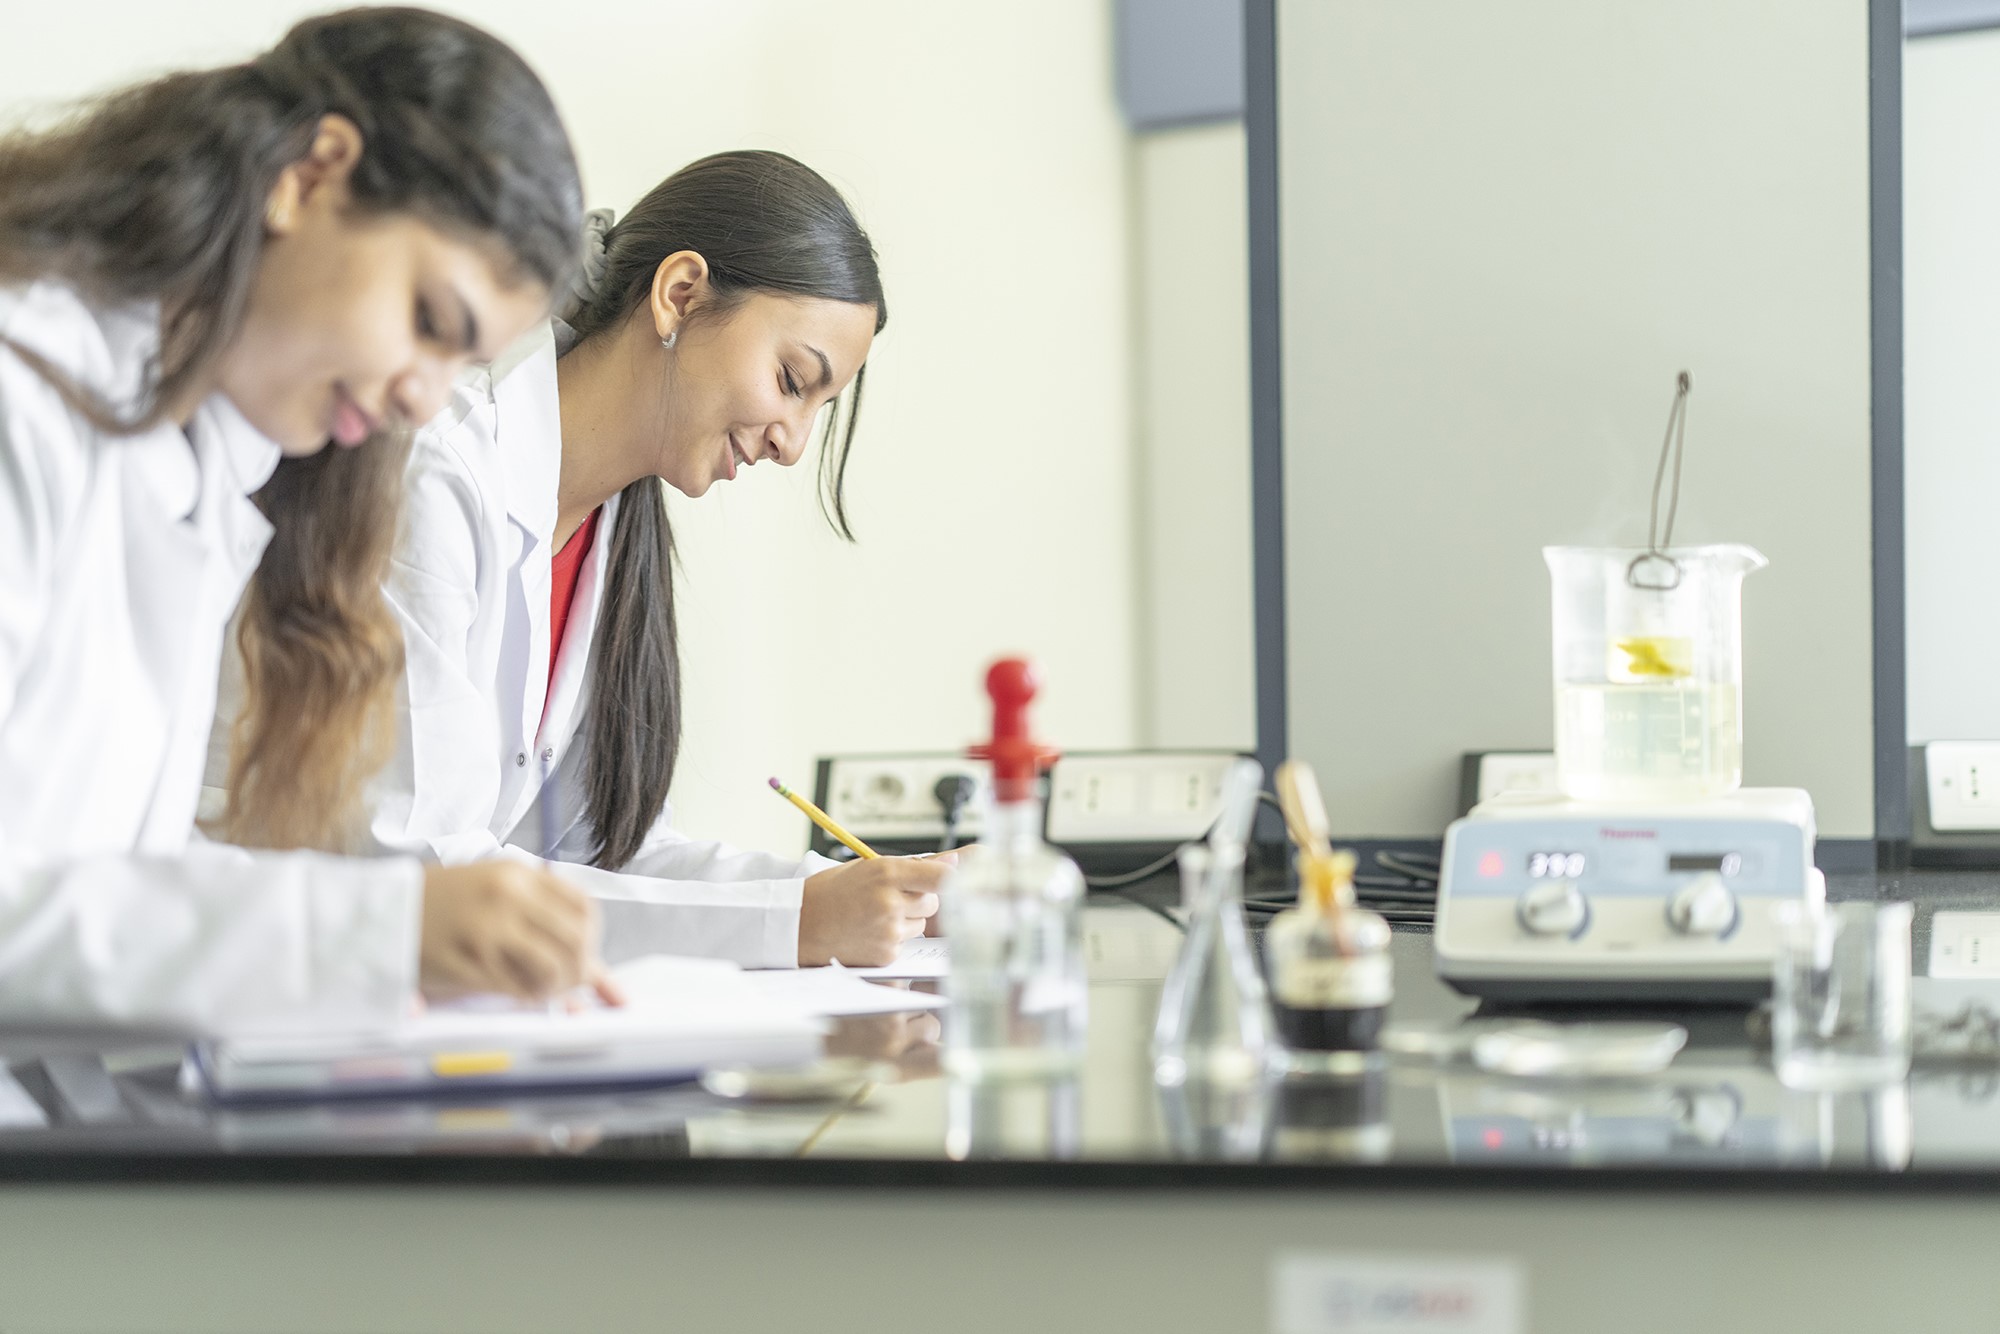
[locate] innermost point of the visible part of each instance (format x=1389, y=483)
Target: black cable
x=1150, y=907
x=952, y=792
x=1123, y=878
x=1410, y=865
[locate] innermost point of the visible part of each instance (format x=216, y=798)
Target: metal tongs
x=1653, y=569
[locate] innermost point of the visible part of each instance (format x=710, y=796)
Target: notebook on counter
x=683, y=1017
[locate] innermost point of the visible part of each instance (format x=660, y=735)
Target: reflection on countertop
x=1718, y=1107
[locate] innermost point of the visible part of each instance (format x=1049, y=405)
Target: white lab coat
x=121, y=559
x=470, y=585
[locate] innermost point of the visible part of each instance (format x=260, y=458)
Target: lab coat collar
x=132, y=336
x=48, y=319
x=247, y=453
x=527, y=430
x=575, y=654
x=243, y=459
x=53, y=320
x=227, y=459
x=527, y=435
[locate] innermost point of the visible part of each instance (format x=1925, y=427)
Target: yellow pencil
x=823, y=820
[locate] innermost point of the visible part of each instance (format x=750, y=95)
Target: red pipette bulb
x=1017, y=760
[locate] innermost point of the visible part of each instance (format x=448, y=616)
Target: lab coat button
x=548, y=754
x=520, y=759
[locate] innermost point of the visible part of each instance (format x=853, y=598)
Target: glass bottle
x=1018, y=984
x=1331, y=976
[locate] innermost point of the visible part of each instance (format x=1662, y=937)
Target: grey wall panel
x=1928, y=18
x=1952, y=285
x=1889, y=531
x=1180, y=62
x=1504, y=229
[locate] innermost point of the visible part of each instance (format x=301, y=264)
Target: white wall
x=1951, y=356
x=1197, y=673
x=992, y=482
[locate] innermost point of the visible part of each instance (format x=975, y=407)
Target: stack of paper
x=926, y=956
x=834, y=991
x=684, y=1016
x=681, y=1017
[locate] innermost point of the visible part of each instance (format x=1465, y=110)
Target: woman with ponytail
x=731, y=308
x=224, y=297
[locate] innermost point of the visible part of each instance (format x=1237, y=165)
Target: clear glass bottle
x=1214, y=1020
x=1018, y=983
x=1019, y=992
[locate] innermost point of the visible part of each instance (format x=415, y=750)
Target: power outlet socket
x=1965, y=944
x=892, y=799
x=1963, y=782
x=1096, y=800
x=1135, y=797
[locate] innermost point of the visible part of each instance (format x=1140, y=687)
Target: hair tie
x=590, y=274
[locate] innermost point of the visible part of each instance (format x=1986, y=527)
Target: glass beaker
x=1649, y=670
x=1840, y=995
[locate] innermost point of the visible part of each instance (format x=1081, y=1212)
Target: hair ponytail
x=764, y=222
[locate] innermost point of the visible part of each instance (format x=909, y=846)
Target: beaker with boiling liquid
x=1649, y=670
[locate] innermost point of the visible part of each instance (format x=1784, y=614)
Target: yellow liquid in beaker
x=1676, y=740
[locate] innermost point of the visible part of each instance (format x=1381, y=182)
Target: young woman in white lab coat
x=199, y=276
x=716, y=322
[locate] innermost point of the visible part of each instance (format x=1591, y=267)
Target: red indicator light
x=1492, y=864
x=1493, y=1138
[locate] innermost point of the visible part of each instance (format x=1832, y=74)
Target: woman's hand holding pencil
x=862, y=912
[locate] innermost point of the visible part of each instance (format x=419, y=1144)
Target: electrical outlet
x=893, y=798
x=1963, y=778
x=1113, y=799
x=1154, y=797
x=1517, y=773
x=1965, y=944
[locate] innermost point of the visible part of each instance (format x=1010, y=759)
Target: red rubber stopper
x=1016, y=759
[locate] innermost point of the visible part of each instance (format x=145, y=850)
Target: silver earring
x=670, y=339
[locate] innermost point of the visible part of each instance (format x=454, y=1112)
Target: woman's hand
x=508, y=927
x=862, y=912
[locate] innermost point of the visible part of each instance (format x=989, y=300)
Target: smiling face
x=745, y=387
x=358, y=321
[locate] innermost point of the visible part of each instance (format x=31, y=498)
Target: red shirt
x=563, y=571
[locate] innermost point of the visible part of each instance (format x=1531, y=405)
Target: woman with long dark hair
x=729, y=310
x=238, y=281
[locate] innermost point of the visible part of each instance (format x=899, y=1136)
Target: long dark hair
x=764, y=222
x=157, y=193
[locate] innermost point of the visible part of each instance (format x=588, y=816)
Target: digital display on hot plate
x=1728, y=863
x=1555, y=865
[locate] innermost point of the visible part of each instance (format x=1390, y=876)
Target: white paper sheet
x=831, y=991
x=666, y=998
x=926, y=956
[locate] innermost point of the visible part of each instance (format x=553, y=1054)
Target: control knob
x=1554, y=908
x=1703, y=907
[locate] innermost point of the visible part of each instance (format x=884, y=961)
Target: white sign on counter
x=1316, y=1292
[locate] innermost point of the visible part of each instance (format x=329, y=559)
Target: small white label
x=1318, y=1293
x=1965, y=944
x=1333, y=984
